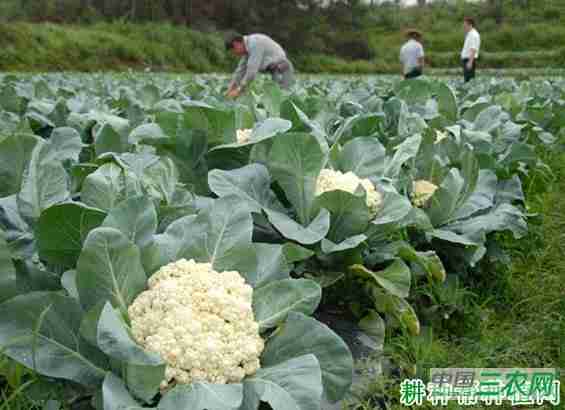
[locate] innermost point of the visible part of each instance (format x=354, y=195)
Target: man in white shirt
x=412, y=55
x=471, y=48
x=259, y=53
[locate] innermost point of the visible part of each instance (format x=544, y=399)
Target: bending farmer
x=259, y=53
x=412, y=55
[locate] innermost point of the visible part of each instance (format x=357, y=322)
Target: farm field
x=367, y=229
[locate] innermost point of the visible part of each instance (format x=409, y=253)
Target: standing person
x=470, y=52
x=412, y=55
x=258, y=53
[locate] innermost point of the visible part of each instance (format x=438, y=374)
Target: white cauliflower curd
x=200, y=322
x=330, y=180
x=243, y=136
x=440, y=136
x=422, y=190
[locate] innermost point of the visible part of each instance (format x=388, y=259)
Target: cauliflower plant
x=422, y=190
x=330, y=180
x=200, y=322
x=243, y=136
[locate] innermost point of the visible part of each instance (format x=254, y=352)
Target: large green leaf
x=45, y=183
x=179, y=237
x=182, y=203
x=503, y=217
x=19, y=235
x=363, y=156
x=145, y=132
x=301, y=335
x=64, y=144
x=203, y=396
x=227, y=159
x=136, y=218
x=415, y=91
x=272, y=265
x=31, y=277
x=251, y=184
x=138, y=163
x=10, y=100
x=375, y=328
x=188, y=153
x=272, y=98
x=450, y=236
x=482, y=196
x=313, y=233
x=296, y=253
x=470, y=170
x=474, y=109
x=116, y=396
x=518, y=152
x=349, y=243
x=395, y=278
x=109, y=140
x=427, y=261
x=144, y=370
x=220, y=235
x=109, y=269
x=41, y=331
x=114, y=340
x=403, y=312
x=161, y=180
x=63, y=229
x=274, y=301
x=395, y=207
x=15, y=153
x=7, y=270
x=119, y=124
x=404, y=152
x=295, y=161
x=218, y=125
x=445, y=200
x=510, y=190
x=361, y=125
x=262, y=131
x=108, y=186
x=488, y=119
x=292, y=385
x=447, y=102
x=89, y=324
x=69, y=283
x=301, y=122
x=227, y=238
x=349, y=214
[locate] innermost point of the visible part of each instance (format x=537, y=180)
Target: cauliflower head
x=200, y=322
x=243, y=136
x=330, y=180
x=422, y=190
x=440, y=136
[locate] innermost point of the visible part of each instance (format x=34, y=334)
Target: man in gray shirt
x=412, y=55
x=259, y=53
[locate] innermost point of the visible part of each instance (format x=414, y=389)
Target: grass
x=517, y=315
x=15, y=381
x=106, y=46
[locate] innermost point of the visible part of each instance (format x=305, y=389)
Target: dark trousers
x=468, y=74
x=415, y=72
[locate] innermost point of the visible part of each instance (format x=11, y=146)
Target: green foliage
x=123, y=169
x=105, y=46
